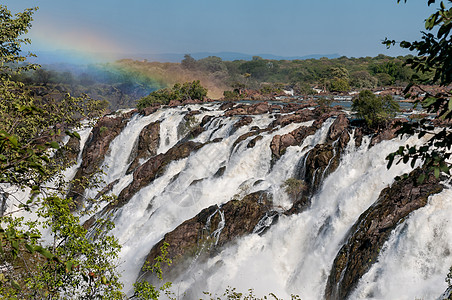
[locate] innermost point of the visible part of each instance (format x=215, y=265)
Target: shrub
x=375, y=110
x=294, y=187
x=179, y=92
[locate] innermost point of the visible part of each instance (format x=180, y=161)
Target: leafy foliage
x=294, y=187
x=76, y=263
x=179, y=92
x=233, y=294
x=435, y=58
x=374, y=109
x=143, y=289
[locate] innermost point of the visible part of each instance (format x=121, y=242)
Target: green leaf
x=428, y=101
x=54, y=145
x=44, y=252
x=444, y=168
x=15, y=244
x=69, y=265
x=30, y=248
x=16, y=285
x=436, y=171
x=13, y=140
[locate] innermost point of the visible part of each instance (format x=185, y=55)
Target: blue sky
x=284, y=27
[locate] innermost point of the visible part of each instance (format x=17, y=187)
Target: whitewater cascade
x=286, y=253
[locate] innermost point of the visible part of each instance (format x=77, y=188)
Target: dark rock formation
x=337, y=130
x=97, y=146
x=148, y=143
x=242, y=109
x=211, y=229
x=299, y=117
x=386, y=133
x=280, y=143
x=226, y=105
x=153, y=168
x=290, y=107
x=150, y=110
x=243, y=121
x=249, y=134
x=319, y=163
x=191, y=101
x=174, y=103
x=338, y=127
x=206, y=119
x=373, y=229
x=258, y=108
x=253, y=142
x=243, y=137
x=322, y=160
x=358, y=135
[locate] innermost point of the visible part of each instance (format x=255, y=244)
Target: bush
x=187, y=91
x=294, y=187
x=162, y=96
x=375, y=110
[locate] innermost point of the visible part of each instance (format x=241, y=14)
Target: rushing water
x=295, y=255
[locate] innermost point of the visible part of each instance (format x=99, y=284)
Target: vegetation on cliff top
x=180, y=92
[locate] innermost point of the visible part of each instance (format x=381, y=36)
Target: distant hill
x=77, y=58
x=228, y=56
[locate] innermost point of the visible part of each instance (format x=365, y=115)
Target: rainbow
x=102, y=52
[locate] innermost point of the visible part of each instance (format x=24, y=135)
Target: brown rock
x=148, y=143
x=226, y=105
x=338, y=127
x=258, y=108
x=103, y=133
x=174, y=103
x=301, y=116
x=206, y=119
x=153, y=168
x=199, y=236
x=317, y=162
x=235, y=111
x=191, y=101
x=252, y=143
x=287, y=140
x=149, y=110
x=275, y=145
x=243, y=121
x=386, y=133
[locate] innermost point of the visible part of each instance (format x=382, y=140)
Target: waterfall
x=295, y=254
x=413, y=263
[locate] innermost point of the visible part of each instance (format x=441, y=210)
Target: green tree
x=434, y=56
x=375, y=110
x=339, y=79
x=180, y=92
x=77, y=264
x=362, y=79
x=434, y=52
x=188, y=62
